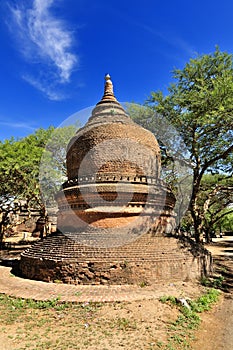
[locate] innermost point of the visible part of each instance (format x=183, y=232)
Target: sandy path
x=216, y=332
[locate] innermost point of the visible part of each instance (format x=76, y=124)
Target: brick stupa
x=115, y=219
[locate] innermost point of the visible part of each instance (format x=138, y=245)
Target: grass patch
x=50, y=324
x=213, y=282
x=20, y=303
x=181, y=331
x=143, y=284
x=124, y=324
x=53, y=325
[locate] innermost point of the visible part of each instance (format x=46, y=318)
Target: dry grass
x=136, y=325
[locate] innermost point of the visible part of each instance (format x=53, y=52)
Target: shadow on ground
x=222, y=252
x=223, y=266
x=13, y=263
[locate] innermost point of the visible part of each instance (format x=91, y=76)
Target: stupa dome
x=113, y=169
x=111, y=143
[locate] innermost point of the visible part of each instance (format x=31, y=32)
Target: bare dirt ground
x=115, y=326
x=135, y=325
x=215, y=332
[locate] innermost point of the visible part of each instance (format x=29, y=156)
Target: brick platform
x=148, y=260
x=37, y=290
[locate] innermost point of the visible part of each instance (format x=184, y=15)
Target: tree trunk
x=208, y=237
x=1, y=235
x=3, y=220
x=196, y=222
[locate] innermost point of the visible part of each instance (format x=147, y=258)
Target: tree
x=19, y=173
x=199, y=104
x=225, y=224
x=53, y=162
x=175, y=170
x=216, y=198
x=21, y=168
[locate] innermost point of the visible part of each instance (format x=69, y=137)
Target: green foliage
x=199, y=105
x=225, y=223
x=171, y=299
x=19, y=165
x=53, y=162
x=204, y=302
x=214, y=282
x=19, y=303
x=13, y=303
x=123, y=323
x=215, y=197
x=180, y=331
x=19, y=174
x=30, y=165
x=143, y=284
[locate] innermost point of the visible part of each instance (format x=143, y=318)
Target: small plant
x=160, y=344
x=205, y=281
x=223, y=269
x=189, y=319
x=143, y=284
x=124, y=323
x=125, y=264
x=168, y=299
x=215, y=282
x=57, y=281
x=20, y=303
x=218, y=281
x=204, y=302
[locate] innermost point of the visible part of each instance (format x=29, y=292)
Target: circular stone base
x=147, y=260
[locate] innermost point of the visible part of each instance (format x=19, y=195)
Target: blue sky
x=55, y=53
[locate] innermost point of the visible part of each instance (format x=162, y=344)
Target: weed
x=143, y=284
x=168, y=299
x=218, y=281
x=214, y=282
x=77, y=294
x=42, y=325
x=124, y=323
x=160, y=344
x=205, y=281
x=189, y=319
x=204, y=302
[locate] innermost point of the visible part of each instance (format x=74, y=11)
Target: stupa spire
x=108, y=90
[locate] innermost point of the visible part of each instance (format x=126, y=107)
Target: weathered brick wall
x=111, y=204
x=115, y=148
x=149, y=259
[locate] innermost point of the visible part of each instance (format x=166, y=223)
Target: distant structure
x=115, y=216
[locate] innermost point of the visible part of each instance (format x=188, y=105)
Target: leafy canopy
x=199, y=104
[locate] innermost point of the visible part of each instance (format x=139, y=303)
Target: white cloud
x=49, y=90
x=45, y=39
x=17, y=125
x=172, y=40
